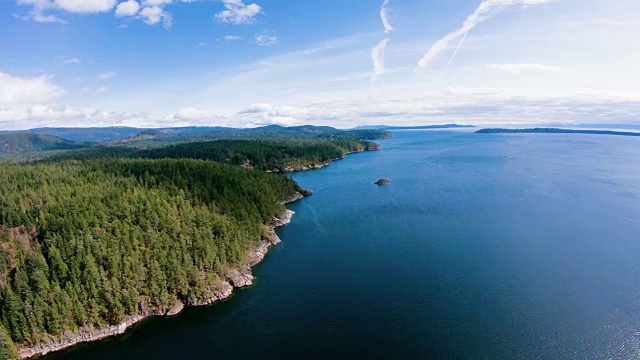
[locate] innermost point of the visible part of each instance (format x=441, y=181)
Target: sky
x=342, y=63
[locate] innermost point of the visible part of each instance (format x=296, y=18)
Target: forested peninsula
x=94, y=240
x=277, y=155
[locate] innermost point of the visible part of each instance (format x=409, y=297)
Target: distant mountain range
x=556, y=131
x=34, y=143
x=108, y=134
x=418, y=127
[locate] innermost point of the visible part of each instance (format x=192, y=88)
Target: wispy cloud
x=485, y=11
x=265, y=39
x=71, y=60
x=107, y=75
x=377, y=55
x=520, y=68
x=232, y=37
x=378, y=52
x=384, y=16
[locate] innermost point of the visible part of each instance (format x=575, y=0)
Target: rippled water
x=483, y=246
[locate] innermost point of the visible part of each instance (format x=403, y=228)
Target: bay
x=519, y=246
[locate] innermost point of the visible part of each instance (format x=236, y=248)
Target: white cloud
x=107, y=75
x=261, y=114
x=37, y=11
x=265, y=40
x=232, y=37
x=127, y=8
x=378, y=52
x=151, y=3
x=257, y=108
x=520, y=68
x=238, y=13
x=377, y=55
x=192, y=114
x=85, y=6
x=71, y=61
x=21, y=90
x=153, y=15
x=482, y=13
x=384, y=16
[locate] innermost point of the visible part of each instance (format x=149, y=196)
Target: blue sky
x=326, y=62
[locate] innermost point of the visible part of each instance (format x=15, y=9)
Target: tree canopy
x=91, y=242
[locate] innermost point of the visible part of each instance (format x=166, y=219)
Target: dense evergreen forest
x=307, y=132
x=272, y=155
x=94, y=241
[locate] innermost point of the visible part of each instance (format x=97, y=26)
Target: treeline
x=92, y=242
x=272, y=155
x=307, y=132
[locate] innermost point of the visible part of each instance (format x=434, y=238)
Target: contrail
x=455, y=52
x=385, y=18
x=378, y=52
x=377, y=55
x=464, y=37
x=482, y=13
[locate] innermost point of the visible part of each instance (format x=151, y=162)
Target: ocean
x=484, y=246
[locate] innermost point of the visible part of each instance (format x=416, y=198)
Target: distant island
x=417, y=127
x=556, y=131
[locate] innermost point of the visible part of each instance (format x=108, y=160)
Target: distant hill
x=19, y=145
x=418, y=127
x=109, y=134
x=143, y=136
x=267, y=132
x=556, y=131
x=26, y=145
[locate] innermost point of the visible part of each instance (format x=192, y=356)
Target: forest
x=91, y=236
x=43, y=142
x=271, y=155
x=94, y=241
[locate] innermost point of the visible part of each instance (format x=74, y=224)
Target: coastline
x=326, y=163
x=237, y=277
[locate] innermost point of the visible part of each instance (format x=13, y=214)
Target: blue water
x=483, y=247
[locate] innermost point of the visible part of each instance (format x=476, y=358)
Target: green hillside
x=21, y=145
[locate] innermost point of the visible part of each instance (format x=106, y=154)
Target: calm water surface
x=483, y=246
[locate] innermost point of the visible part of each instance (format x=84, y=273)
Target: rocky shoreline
x=328, y=162
x=237, y=277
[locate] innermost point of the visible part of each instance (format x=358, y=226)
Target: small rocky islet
x=383, y=182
